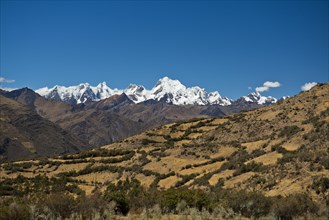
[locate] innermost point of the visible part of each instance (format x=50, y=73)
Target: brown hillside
x=25, y=134
x=277, y=150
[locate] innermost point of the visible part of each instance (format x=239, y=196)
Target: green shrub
x=257, y=152
x=301, y=155
x=279, y=149
x=289, y=131
x=193, y=198
x=249, y=204
x=185, y=179
x=294, y=206
x=15, y=211
x=119, y=197
x=148, y=141
x=321, y=185
x=59, y=203
x=252, y=166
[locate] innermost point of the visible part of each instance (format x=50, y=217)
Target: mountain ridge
x=101, y=122
x=166, y=89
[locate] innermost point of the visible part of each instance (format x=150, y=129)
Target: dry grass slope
x=277, y=150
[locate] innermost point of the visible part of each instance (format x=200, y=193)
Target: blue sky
x=219, y=45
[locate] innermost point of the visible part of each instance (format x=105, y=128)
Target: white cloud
x=249, y=87
x=7, y=89
x=267, y=85
x=272, y=84
x=262, y=89
x=4, y=80
x=308, y=86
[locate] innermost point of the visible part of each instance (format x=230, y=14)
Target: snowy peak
x=137, y=93
x=166, y=89
x=167, y=85
x=214, y=98
x=256, y=97
x=102, y=91
x=176, y=93
x=173, y=91
x=102, y=85
x=78, y=94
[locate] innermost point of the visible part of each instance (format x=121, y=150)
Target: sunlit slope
x=278, y=150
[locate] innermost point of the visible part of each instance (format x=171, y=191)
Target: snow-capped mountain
x=214, y=98
x=166, y=89
x=256, y=97
x=177, y=94
x=137, y=93
x=78, y=94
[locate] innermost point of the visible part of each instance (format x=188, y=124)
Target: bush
x=198, y=125
x=257, y=152
x=293, y=206
x=15, y=211
x=321, y=185
x=235, y=160
x=6, y=189
x=97, y=153
x=159, y=177
x=193, y=198
x=289, y=131
x=279, y=149
x=252, y=166
x=61, y=204
x=303, y=156
x=129, y=195
x=119, y=197
x=148, y=141
x=249, y=204
x=88, y=205
x=185, y=179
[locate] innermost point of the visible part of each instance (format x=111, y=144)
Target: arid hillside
x=25, y=134
x=277, y=150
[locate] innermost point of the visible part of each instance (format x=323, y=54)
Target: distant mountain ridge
x=166, y=89
x=99, y=115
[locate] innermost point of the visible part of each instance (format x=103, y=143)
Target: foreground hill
x=25, y=134
x=279, y=150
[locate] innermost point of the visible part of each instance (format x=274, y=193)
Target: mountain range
x=95, y=116
x=276, y=150
x=166, y=89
